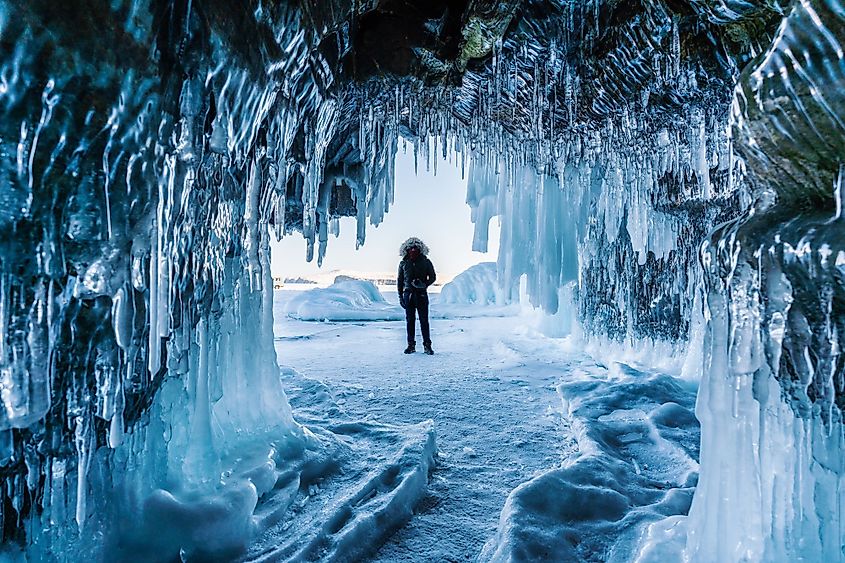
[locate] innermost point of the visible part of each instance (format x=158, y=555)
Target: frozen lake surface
x=509, y=405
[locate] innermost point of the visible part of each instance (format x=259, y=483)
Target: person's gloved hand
x=402, y=301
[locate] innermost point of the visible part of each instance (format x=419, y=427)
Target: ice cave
x=649, y=370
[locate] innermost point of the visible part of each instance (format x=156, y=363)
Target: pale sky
x=430, y=207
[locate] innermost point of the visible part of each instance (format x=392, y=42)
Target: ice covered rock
x=771, y=396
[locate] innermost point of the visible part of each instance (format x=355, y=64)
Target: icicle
x=675, y=50
x=84, y=440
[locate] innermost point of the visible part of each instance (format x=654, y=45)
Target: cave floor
x=495, y=390
x=491, y=391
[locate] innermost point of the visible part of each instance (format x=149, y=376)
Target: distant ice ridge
x=361, y=300
x=477, y=285
x=353, y=300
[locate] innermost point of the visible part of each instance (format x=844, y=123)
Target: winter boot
x=410, y=349
x=428, y=349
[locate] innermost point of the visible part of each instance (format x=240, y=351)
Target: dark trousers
x=417, y=302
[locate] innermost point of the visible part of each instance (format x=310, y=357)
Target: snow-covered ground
x=545, y=453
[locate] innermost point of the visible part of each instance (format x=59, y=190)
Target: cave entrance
x=429, y=203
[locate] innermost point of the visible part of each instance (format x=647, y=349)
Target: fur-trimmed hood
x=413, y=241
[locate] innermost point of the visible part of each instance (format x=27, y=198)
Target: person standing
x=416, y=273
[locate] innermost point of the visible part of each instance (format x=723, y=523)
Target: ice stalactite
x=592, y=141
x=770, y=400
x=646, y=197
x=577, y=173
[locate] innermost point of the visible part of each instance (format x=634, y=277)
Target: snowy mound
x=477, y=285
x=356, y=488
x=633, y=462
x=351, y=300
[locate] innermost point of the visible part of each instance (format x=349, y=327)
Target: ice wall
x=620, y=196
x=770, y=404
x=598, y=182
x=770, y=487
x=593, y=220
x=145, y=153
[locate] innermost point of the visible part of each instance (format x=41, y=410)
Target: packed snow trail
x=497, y=421
x=492, y=390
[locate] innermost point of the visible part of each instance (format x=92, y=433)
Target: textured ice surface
x=144, y=156
x=587, y=432
x=771, y=394
x=634, y=461
x=352, y=493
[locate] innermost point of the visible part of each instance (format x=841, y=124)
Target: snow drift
x=352, y=300
x=477, y=285
x=634, y=461
x=359, y=482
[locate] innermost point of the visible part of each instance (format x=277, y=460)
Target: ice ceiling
x=147, y=145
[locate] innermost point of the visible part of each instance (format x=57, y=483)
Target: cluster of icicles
x=136, y=346
x=176, y=232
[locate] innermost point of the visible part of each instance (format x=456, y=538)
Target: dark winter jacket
x=415, y=275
